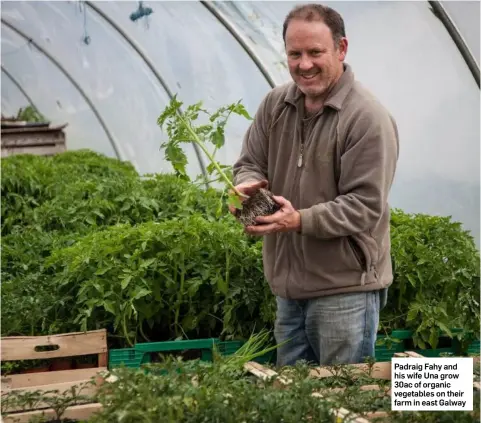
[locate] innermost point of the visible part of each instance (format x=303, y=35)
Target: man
x=328, y=150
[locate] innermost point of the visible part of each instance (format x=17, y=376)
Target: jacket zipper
x=296, y=184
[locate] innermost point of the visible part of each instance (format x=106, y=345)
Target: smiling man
x=328, y=149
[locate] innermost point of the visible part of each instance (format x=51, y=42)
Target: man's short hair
x=317, y=12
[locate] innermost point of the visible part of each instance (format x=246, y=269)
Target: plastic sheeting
x=399, y=50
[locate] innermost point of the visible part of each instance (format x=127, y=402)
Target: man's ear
x=342, y=48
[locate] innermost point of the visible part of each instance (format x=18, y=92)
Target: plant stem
x=180, y=293
x=126, y=333
x=199, y=142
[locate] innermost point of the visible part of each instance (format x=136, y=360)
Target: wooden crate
x=43, y=141
x=381, y=370
x=69, y=345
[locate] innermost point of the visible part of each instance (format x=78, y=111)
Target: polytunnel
x=109, y=68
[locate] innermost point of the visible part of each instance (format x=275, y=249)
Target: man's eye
x=316, y=53
x=293, y=54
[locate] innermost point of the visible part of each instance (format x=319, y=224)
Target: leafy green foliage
x=176, y=391
x=436, y=279
x=51, y=203
x=30, y=114
x=189, y=277
x=159, y=257
x=29, y=182
x=184, y=128
x=219, y=393
x=54, y=399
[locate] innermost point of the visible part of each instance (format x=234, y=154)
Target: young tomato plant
x=183, y=128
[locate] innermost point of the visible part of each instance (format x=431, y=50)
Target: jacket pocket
x=330, y=257
x=357, y=253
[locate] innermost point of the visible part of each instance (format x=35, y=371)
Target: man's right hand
x=248, y=188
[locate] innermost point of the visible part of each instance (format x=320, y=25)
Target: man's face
x=314, y=61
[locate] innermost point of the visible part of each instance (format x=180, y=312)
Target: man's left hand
x=287, y=219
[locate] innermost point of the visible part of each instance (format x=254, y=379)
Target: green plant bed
x=436, y=282
x=224, y=392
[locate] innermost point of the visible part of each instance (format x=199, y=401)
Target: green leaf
x=170, y=111
x=433, y=338
x=210, y=168
x=234, y=201
x=222, y=285
x=140, y=293
x=217, y=137
x=411, y=280
x=445, y=329
x=108, y=305
x=194, y=285
x=126, y=281
x=102, y=271
x=148, y=262
x=239, y=109
x=189, y=322
x=412, y=314
x=421, y=343
x=176, y=156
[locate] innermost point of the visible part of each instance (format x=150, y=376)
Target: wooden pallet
x=381, y=370
x=67, y=345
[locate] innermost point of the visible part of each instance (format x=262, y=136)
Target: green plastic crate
x=447, y=345
x=474, y=348
x=128, y=357
x=140, y=354
x=385, y=352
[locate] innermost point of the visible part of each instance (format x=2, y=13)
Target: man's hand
x=287, y=219
x=248, y=188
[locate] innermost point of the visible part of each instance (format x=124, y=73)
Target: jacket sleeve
x=368, y=165
x=252, y=162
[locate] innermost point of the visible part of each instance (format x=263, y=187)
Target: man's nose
x=305, y=63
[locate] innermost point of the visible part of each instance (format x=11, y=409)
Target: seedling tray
x=380, y=371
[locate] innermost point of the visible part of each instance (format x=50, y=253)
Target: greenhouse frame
x=108, y=69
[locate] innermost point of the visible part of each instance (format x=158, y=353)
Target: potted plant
x=182, y=128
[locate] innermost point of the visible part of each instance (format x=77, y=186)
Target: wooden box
x=62, y=381
x=33, y=139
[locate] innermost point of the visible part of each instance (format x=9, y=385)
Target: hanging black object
x=86, y=36
x=140, y=12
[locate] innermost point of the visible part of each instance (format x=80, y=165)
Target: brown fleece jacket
x=336, y=168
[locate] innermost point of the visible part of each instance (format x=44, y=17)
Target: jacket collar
x=335, y=98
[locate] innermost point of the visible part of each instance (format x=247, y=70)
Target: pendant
x=299, y=161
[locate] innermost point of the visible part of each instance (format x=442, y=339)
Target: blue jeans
x=336, y=329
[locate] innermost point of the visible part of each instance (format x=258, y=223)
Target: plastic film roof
x=109, y=77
